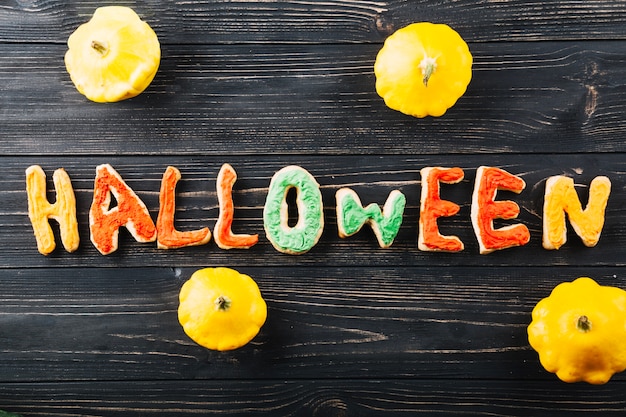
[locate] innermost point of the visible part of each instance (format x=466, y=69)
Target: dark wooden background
x=352, y=330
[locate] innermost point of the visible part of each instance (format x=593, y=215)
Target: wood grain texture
x=335, y=21
x=307, y=398
x=257, y=100
x=353, y=329
x=416, y=322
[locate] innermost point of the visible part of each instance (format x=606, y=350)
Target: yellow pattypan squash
x=423, y=69
x=579, y=331
x=221, y=309
x=114, y=56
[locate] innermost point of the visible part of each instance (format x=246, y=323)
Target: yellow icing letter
x=63, y=210
x=561, y=198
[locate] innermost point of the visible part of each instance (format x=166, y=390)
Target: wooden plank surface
x=330, y=22
x=455, y=323
x=273, y=398
x=534, y=97
x=352, y=329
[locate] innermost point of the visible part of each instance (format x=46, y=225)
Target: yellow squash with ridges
x=423, y=69
x=114, y=56
x=579, y=331
x=221, y=309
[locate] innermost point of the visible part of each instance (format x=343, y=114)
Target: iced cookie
x=167, y=235
x=352, y=216
x=485, y=210
x=63, y=210
x=130, y=212
x=308, y=229
x=561, y=198
x=224, y=236
x=432, y=207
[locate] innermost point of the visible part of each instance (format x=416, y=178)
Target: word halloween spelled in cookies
x=130, y=212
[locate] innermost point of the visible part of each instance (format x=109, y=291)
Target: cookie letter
x=167, y=235
x=351, y=215
x=224, y=237
x=307, y=231
x=63, y=210
x=561, y=198
x=130, y=212
x=485, y=210
x=432, y=207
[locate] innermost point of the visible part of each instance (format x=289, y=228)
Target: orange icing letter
x=561, y=198
x=131, y=212
x=63, y=210
x=224, y=237
x=485, y=210
x=167, y=235
x=433, y=207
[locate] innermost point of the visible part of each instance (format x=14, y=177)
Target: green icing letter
x=305, y=234
x=351, y=215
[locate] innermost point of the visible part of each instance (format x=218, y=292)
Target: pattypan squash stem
x=428, y=67
x=583, y=324
x=100, y=47
x=222, y=303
